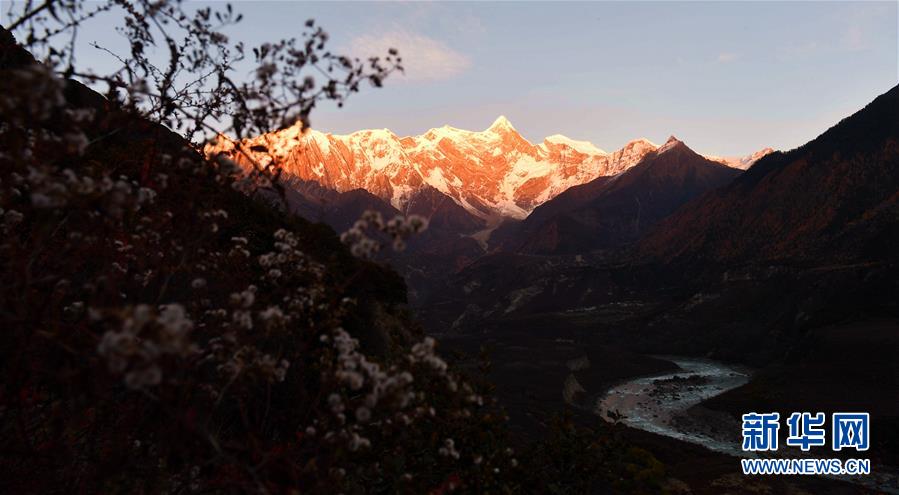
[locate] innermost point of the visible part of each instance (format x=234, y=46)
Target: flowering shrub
x=164, y=332
x=397, y=229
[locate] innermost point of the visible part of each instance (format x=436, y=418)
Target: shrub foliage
x=164, y=331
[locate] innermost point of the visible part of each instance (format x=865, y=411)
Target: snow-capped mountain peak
x=585, y=147
x=671, y=143
x=493, y=174
x=742, y=162
x=501, y=124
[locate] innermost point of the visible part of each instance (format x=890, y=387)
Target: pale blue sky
x=726, y=77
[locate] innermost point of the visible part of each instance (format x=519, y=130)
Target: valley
x=206, y=291
x=650, y=250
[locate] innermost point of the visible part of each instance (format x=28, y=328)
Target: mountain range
x=810, y=235
x=494, y=174
x=487, y=190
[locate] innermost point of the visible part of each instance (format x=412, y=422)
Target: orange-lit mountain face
x=493, y=174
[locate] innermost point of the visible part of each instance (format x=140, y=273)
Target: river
x=660, y=403
x=665, y=404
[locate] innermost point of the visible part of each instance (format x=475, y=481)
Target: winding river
x=659, y=403
x=664, y=404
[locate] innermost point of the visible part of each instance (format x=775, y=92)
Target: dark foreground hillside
x=164, y=332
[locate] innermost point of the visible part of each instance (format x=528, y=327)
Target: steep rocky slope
x=832, y=200
x=611, y=211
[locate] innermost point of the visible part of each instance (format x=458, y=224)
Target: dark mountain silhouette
x=339, y=210
x=442, y=212
x=832, y=200
x=445, y=247
x=612, y=211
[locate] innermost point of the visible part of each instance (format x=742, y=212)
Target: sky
x=727, y=78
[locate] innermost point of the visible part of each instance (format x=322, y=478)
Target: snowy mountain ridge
x=493, y=174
